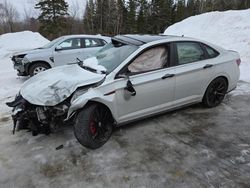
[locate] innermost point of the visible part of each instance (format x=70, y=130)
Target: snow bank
x=229, y=29
x=14, y=42
x=9, y=44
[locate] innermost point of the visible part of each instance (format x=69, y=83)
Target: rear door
x=194, y=69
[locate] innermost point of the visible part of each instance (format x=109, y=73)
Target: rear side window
x=188, y=52
x=90, y=42
x=211, y=52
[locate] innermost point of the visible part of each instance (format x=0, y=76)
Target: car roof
x=139, y=40
x=87, y=36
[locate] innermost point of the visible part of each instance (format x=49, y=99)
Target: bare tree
x=8, y=16
x=29, y=22
x=74, y=10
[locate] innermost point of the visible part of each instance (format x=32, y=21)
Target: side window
x=152, y=59
x=70, y=44
x=210, y=51
x=89, y=42
x=189, y=52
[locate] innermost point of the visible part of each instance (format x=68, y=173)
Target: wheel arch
x=92, y=101
x=218, y=76
x=34, y=62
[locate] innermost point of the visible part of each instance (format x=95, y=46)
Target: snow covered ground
x=229, y=29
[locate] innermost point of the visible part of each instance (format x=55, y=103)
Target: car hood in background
x=33, y=51
x=53, y=86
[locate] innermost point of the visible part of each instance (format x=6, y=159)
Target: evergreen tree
x=161, y=15
x=89, y=17
x=121, y=17
x=191, y=8
x=180, y=13
x=131, y=17
x=52, y=17
x=112, y=18
x=99, y=16
x=142, y=18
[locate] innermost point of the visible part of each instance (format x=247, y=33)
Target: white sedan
x=133, y=77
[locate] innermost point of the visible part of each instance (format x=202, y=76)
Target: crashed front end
x=44, y=100
x=37, y=119
x=20, y=63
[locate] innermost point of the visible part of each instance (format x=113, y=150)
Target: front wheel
x=215, y=92
x=38, y=68
x=93, y=126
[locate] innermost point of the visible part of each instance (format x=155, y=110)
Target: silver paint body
x=62, y=57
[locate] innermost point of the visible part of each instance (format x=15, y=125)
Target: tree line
x=109, y=17
x=143, y=16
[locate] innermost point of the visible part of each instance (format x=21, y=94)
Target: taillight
x=238, y=61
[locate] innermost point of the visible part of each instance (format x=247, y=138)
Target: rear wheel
x=215, y=92
x=38, y=68
x=93, y=126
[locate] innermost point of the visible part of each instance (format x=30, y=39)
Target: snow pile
x=14, y=42
x=9, y=44
x=229, y=29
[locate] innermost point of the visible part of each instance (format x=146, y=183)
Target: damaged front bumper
x=22, y=69
x=37, y=119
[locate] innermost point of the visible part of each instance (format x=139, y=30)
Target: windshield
x=112, y=55
x=51, y=43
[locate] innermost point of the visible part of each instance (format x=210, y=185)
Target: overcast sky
x=27, y=6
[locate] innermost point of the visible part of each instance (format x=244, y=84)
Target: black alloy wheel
x=94, y=125
x=215, y=92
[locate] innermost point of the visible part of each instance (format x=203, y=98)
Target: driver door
x=153, y=82
x=68, y=51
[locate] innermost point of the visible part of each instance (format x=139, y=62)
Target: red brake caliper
x=92, y=128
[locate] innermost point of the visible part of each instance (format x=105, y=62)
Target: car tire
x=215, y=92
x=93, y=126
x=37, y=68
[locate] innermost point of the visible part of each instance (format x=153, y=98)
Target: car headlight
x=25, y=60
x=78, y=93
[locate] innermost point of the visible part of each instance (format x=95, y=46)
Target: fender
x=221, y=74
x=93, y=95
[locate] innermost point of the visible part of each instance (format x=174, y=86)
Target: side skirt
x=155, y=114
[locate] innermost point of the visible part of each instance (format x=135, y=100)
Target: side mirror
x=58, y=48
x=123, y=76
x=130, y=88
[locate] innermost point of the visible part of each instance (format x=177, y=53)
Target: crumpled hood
x=53, y=86
x=33, y=51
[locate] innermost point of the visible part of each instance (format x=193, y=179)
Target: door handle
x=168, y=76
x=207, y=66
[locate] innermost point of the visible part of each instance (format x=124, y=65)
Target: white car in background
x=61, y=51
x=134, y=77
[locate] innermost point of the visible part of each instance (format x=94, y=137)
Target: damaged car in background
x=133, y=77
x=61, y=51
